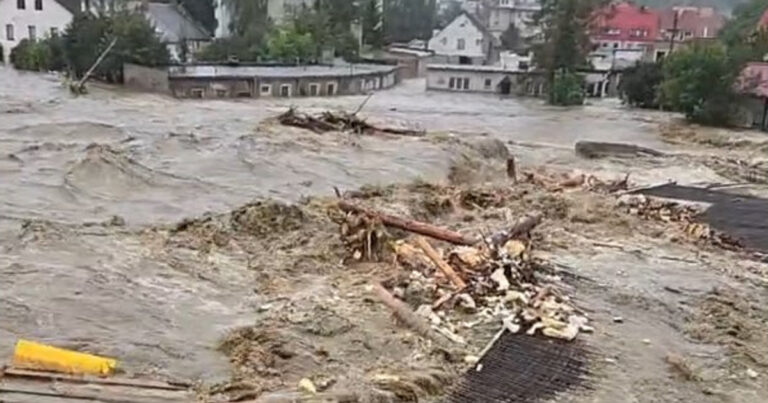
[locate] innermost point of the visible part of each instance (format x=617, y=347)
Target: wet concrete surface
x=72, y=277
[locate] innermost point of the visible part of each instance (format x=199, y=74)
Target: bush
x=699, y=81
x=566, y=89
x=31, y=55
x=225, y=49
x=640, y=85
x=289, y=46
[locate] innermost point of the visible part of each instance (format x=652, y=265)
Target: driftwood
x=414, y=226
x=522, y=227
x=596, y=149
x=341, y=122
x=79, y=87
x=408, y=317
x=444, y=267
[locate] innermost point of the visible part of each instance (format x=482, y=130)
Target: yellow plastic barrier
x=31, y=355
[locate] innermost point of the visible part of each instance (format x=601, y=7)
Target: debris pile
x=560, y=182
x=340, y=122
x=477, y=281
x=687, y=215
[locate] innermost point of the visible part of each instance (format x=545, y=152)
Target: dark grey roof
x=73, y=6
x=173, y=24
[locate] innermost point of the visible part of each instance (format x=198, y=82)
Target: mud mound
x=107, y=173
x=725, y=317
x=267, y=217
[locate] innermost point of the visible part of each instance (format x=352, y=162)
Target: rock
x=646, y=341
x=752, y=373
x=305, y=385
x=471, y=359
x=618, y=319
x=466, y=302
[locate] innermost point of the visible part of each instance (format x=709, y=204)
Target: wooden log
x=407, y=316
x=522, y=227
x=414, y=226
x=511, y=169
x=444, y=267
x=57, y=377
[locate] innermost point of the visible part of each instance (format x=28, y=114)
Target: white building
x=464, y=41
x=33, y=19
x=278, y=11
x=520, y=13
x=484, y=79
x=182, y=35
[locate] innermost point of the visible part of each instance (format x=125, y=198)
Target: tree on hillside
x=373, y=33
x=329, y=24
x=743, y=22
x=449, y=13
x=287, y=45
x=565, y=26
x=405, y=20
x=699, y=81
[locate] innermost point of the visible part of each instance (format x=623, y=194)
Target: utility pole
x=674, y=32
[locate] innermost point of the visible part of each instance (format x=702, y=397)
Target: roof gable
x=173, y=24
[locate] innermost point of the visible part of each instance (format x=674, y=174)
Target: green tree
x=743, y=23
x=510, y=38
x=30, y=55
x=448, y=13
x=640, y=84
x=699, y=81
x=567, y=88
x=234, y=48
x=87, y=36
x=373, y=33
x=328, y=22
x=289, y=46
x=408, y=19
x=565, y=26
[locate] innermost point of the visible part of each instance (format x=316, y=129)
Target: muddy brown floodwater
x=87, y=184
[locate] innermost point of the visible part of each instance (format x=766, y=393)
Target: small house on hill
x=181, y=34
x=464, y=41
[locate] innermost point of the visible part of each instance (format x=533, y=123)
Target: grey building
x=221, y=81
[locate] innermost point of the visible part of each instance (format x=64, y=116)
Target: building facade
x=217, y=81
x=502, y=14
x=33, y=19
x=278, y=11
x=484, y=79
x=626, y=26
x=464, y=41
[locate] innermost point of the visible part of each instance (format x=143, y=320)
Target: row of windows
x=285, y=90
x=637, y=33
x=10, y=32
x=461, y=44
x=22, y=4
x=462, y=83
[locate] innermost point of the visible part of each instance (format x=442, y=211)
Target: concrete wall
x=152, y=79
x=53, y=15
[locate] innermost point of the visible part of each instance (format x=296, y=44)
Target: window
x=21, y=4
x=444, y=41
x=285, y=90
x=38, y=4
x=265, y=89
x=460, y=45
x=615, y=45
x=466, y=83
x=479, y=42
x=54, y=31
x=32, y=32
x=221, y=93
x=314, y=89
x=9, y=32
x=451, y=82
x=196, y=92
x=487, y=83
x=331, y=89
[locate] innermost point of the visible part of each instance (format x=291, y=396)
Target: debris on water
x=340, y=122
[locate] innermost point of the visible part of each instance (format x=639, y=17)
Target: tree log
x=408, y=317
x=522, y=227
x=417, y=227
x=444, y=267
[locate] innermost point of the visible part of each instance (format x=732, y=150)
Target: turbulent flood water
x=152, y=160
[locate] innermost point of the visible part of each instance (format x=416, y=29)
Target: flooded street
x=90, y=184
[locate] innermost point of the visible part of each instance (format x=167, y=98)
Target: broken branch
x=522, y=227
x=444, y=267
x=407, y=316
x=414, y=226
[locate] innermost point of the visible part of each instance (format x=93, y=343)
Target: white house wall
x=440, y=80
x=446, y=42
x=53, y=15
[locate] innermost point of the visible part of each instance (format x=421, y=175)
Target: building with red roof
x=625, y=26
x=687, y=23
